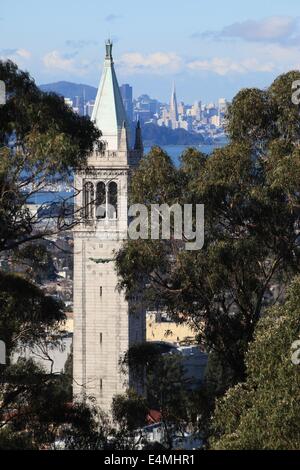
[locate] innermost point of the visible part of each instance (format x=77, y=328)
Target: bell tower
x=104, y=323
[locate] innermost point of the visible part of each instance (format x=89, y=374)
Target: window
x=88, y=200
x=100, y=338
x=106, y=200
x=112, y=200
x=101, y=200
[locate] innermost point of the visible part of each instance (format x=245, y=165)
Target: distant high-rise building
x=146, y=103
x=71, y=105
x=173, y=107
x=126, y=93
x=211, y=110
x=78, y=105
x=215, y=120
x=181, y=108
x=88, y=108
x=222, y=105
x=69, y=102
x=196, y=110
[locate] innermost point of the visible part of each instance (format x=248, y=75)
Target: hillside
x=71, y=90
x=156, y=135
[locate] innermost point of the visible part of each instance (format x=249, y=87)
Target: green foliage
x=155, y=180
x=283, y=170
x=140, y=356
x=259, y=117
x=250, y=191
x=13, y=441
x=251, y=117
x=263, y=412
x=53, y=134
x=27, y=314
x=166, y=390
x=286, y=117
x=41, y=141
x=130, y=410
x=34, y=261
x=33, y=404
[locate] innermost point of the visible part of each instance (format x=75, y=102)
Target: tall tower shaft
x=104, y=325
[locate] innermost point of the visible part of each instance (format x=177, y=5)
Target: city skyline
x=208, y=54
x=128, y=88
x=205, y=119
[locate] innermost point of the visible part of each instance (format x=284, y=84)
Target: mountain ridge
x=70, y=89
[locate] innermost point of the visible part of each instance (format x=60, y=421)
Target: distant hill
x=71, y=90
x=160, y=135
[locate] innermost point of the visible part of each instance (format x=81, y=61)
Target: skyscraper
x=104, y=325
x=126, y=92
x=197, y=110
x=88, y=108
x=173, y=107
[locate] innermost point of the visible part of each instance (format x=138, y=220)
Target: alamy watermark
x=296, y=353
x=2, y=93
x=296, y=92
x=158, y=222
x=2, y=353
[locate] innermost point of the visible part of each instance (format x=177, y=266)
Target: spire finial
x=138, y=145
x=108, y=47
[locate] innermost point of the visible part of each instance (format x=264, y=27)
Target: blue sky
x=210, y=48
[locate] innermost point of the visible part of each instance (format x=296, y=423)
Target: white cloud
x=280, y=29
x=224, y=66
x=15, y=54
x=157, y=62
x=69, y=62
x=273, y=28
x=54, y=60
x=24, y=53
x=282, y=54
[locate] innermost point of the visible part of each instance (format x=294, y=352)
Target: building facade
x=105, y=324
x=126, y=93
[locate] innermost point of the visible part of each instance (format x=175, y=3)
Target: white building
x=196, y=110
x=174, y=108
x=69, y=102
x=88, y=108
x=216, y=120
x=104, y=322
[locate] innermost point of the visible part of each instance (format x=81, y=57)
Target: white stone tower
x=104, y=326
